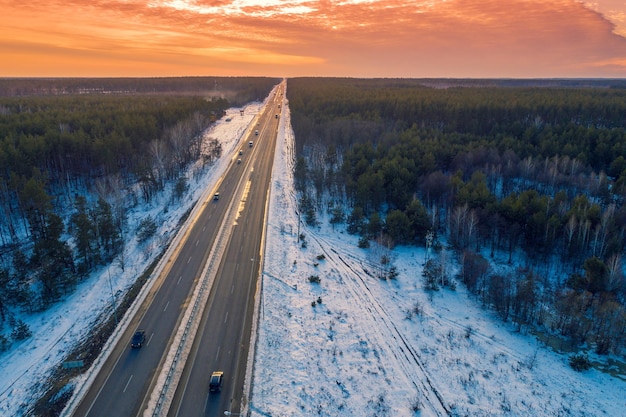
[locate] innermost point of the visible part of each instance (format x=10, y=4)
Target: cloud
x=438, y=38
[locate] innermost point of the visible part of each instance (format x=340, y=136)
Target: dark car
x=215, y=384
x=138, y=339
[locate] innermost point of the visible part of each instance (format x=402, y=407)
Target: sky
x=355, y=38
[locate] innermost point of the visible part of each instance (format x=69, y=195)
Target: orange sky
x=358, y=38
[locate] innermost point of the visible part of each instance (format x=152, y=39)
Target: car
x=216, y=196
x=138, y=339
x=256, y=133
x=240, y=151
x=250, y=144
x=239, y=160
x=215, y=383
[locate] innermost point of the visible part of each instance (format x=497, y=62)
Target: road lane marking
x=217, y=355
x=151, y=336
x=179, y=278
x=197, y=241
x=168, y=303
x=129, y=379
x=232, y=288
x=226, y=318
x=189, y=260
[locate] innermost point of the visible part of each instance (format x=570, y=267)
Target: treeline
x=72, y=162
x=536, y=172
x=237, y=90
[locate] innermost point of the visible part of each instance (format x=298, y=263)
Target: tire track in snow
x=404, y=354
x=437, y=317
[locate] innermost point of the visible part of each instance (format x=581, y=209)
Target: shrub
x=579, y=362
x=314, y=279
x=147, y=228
x=21, y=331
x=416, y=405
x=393, y=273
x=416, y=310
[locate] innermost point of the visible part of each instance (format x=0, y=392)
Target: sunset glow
x=358, y=38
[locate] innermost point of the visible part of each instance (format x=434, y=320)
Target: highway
x=222, y=341
x=128, y=377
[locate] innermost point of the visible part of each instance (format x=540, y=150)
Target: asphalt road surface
x=222, y=342
x=125, y=382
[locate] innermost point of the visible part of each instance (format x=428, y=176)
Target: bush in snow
x=579, y=362
x=20, y=331
x=314, y=279
x=415, y=311
x=147, y=228
x=436, y=275
x=416, y=405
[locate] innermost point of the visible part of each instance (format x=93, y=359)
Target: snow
x=351, y=345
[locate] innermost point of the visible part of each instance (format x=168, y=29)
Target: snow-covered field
x=352, y=345
x=364, y=351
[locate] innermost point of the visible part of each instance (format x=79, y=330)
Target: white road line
x=217, y=355
x=179, y=278
x=189, y=260
x=226, y=318
x=168, y=303
x=129, y=379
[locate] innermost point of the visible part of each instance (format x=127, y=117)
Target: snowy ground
x=360, y=351
x=363, y=352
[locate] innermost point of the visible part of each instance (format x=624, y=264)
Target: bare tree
x=570, y=230
x=471, y=228
x=615, y=280
x=457, y=225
